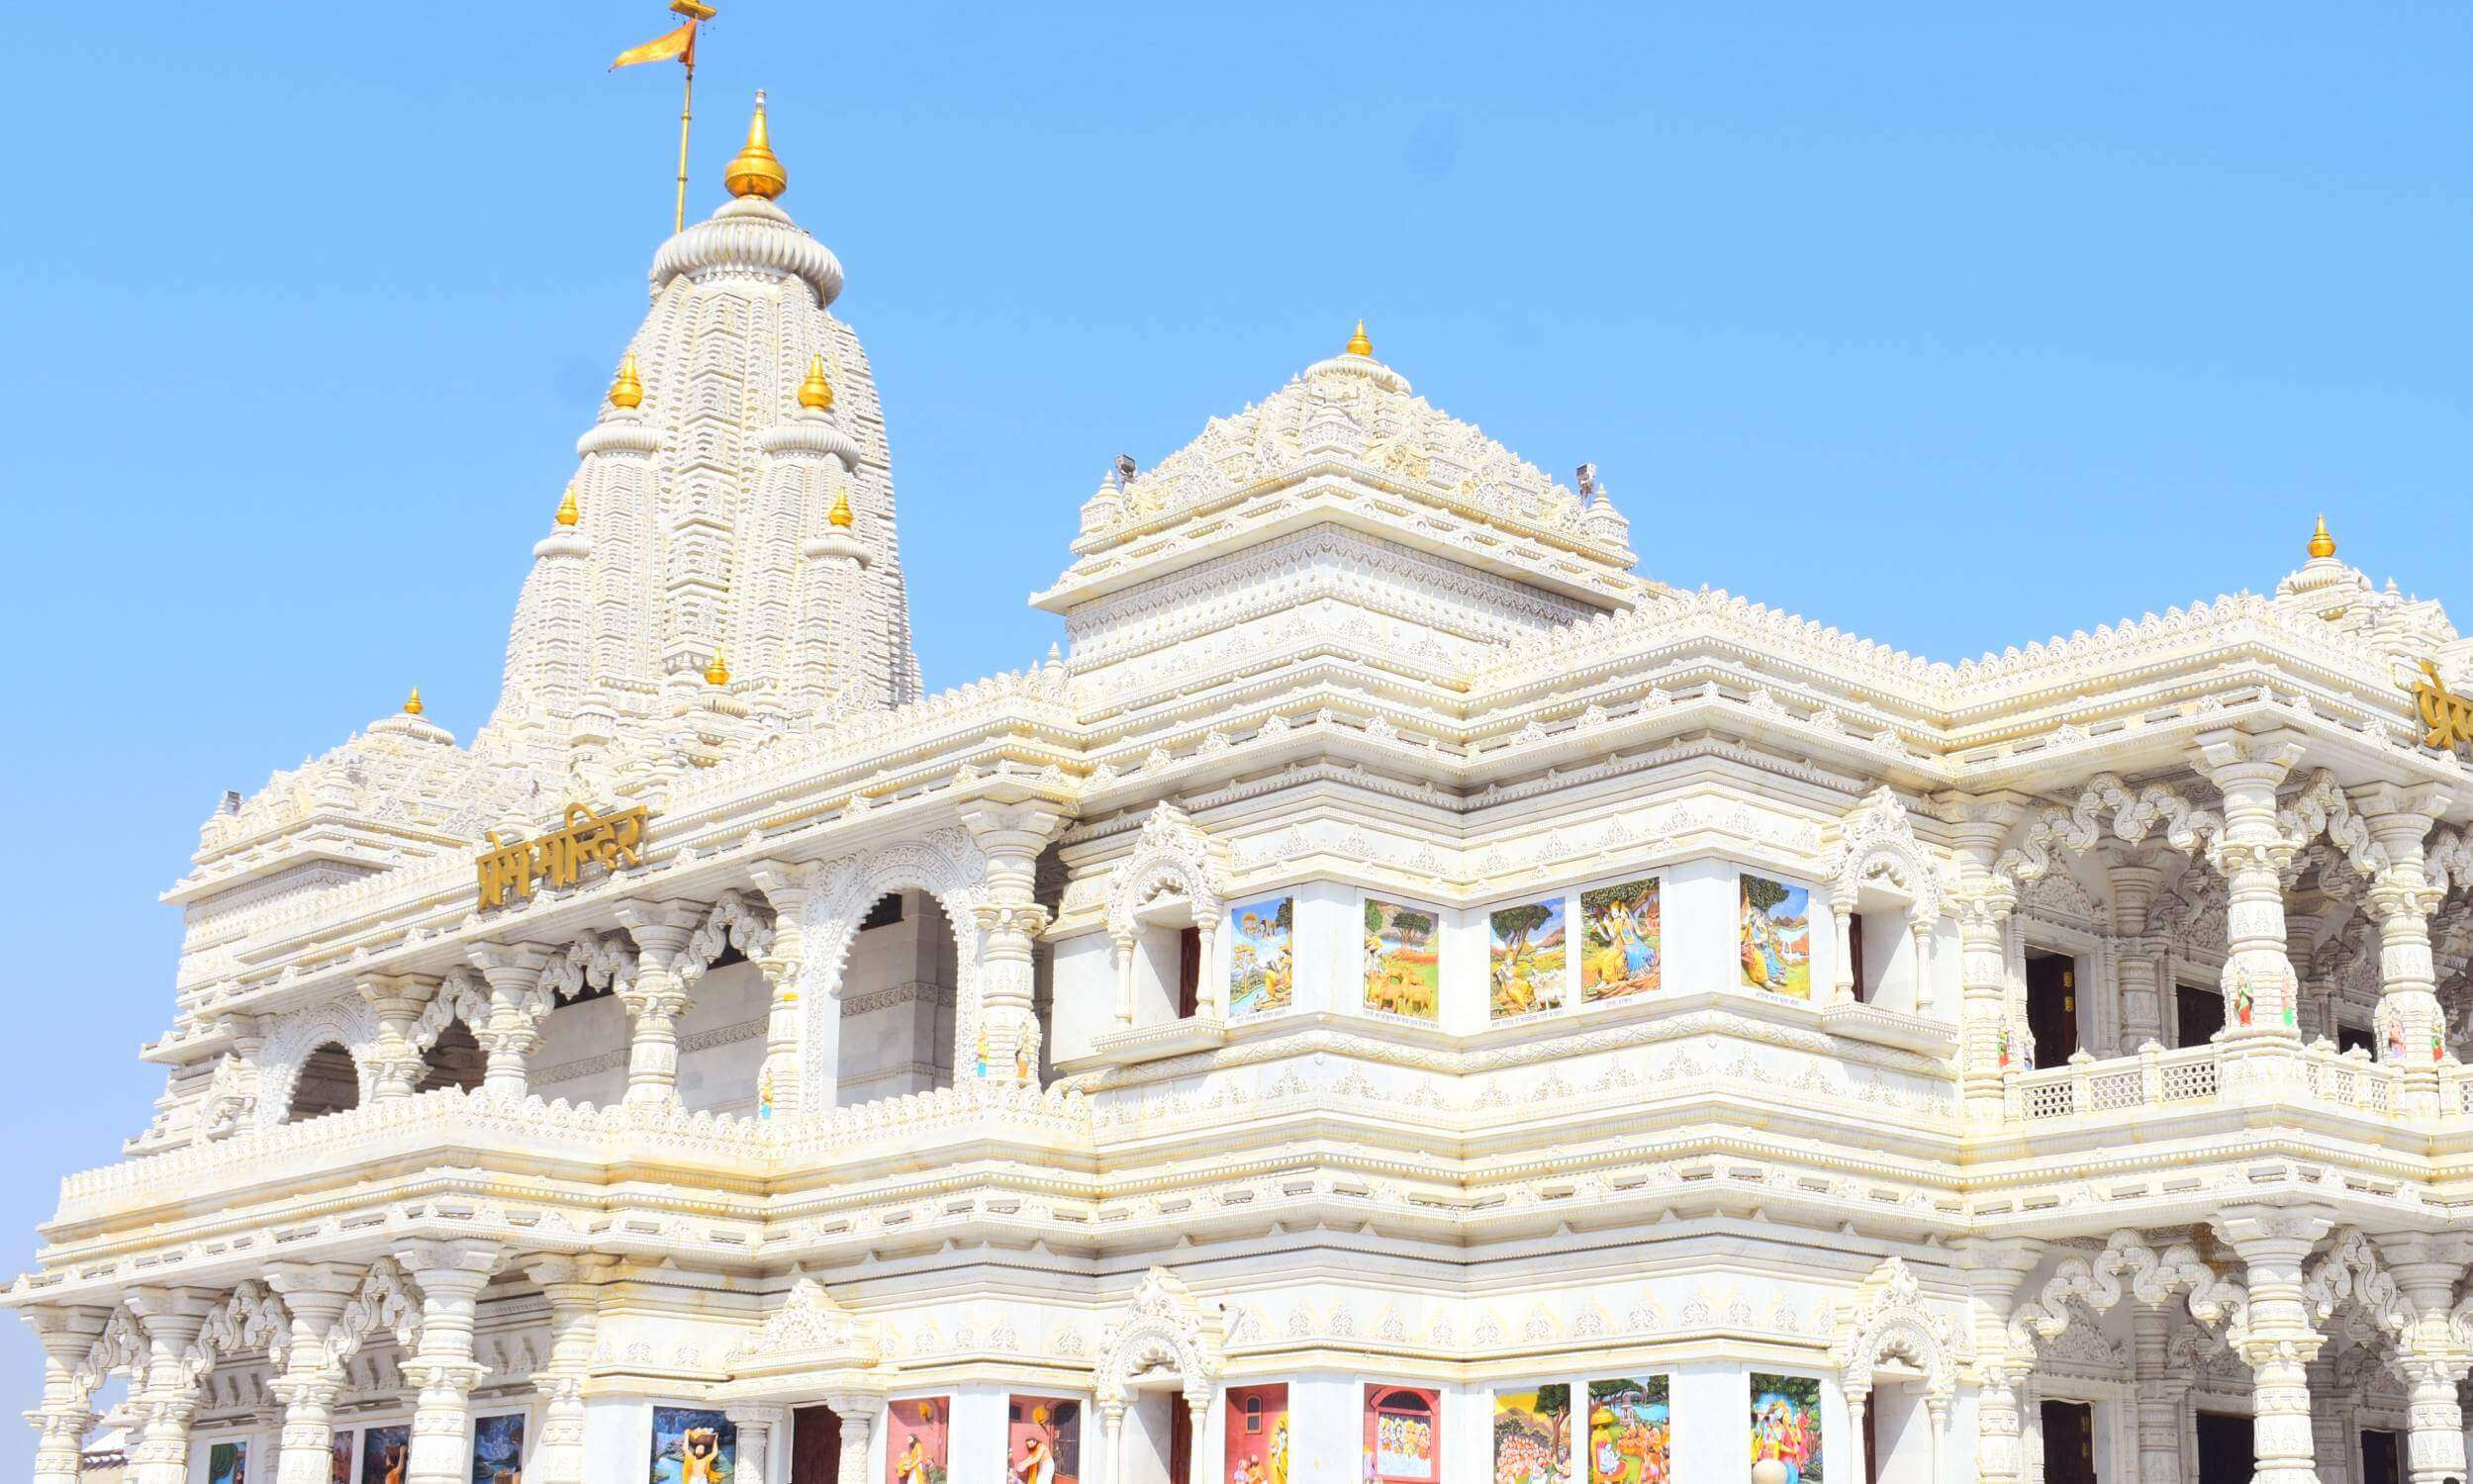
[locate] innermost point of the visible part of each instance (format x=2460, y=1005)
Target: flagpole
x=686, y=113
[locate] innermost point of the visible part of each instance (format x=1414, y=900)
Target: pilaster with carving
x=168, y=1397
x=2432, y=1357
x=510, y=1029
x=314, y=1295
x=450, y=1276
x=572, y=1287
x=1993, y=1272
x=1010, y=825
x=1984, y=902
x=656, y=997
x=68, y=1333
x=2137, y=954
x=780, y=1082
x=2413, y=1030
x=394, y=1061
x=2261, y=990
x=2279, y=1339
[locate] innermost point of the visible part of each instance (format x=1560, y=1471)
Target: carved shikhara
x=728, y=1145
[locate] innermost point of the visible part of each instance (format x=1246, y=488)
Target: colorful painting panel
x=228, y=1463
x=1262, y=973
x=1403, y=961
x=342, y=1445
x=1043, y=1440
x=692, y=1445
x=1777, y=937
x=1623, y=950
x=497, y=1449
x=1631, y=1432
x=1525, y=957
x=1533, y=1436
x=383, y=1453
x=914, y=1443
x=1786, y=1424
x=1257, y=1450
x=1403, y=1427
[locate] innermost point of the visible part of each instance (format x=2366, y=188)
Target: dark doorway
x=814, y=1446
x=2201, y=1013
x=1872, y=1441
x=2052, y=1007
x=1189, y=973
x=1854, y=960
x=1179, y=1441
x=2069, y=1442
x=2348, y=1036
x=2226, y=1450
x=329, y=1082
x=2382, y=1457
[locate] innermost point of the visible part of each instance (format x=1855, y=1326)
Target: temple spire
x=2322, y=545
x=757, y=171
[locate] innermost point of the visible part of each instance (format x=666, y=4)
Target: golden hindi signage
x=509, y=870
x=2448, y=717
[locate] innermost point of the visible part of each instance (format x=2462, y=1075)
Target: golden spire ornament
x=757, y=171
x=627, y=390
x=816, y=391
x=2322, y=545
x=411, y=703
x=568, y=510
x=1358, y=345
x=719, y=672
x=840, y=515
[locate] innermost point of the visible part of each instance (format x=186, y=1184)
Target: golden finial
x=626, y=391
x=840, y=515
x=756, y=172
x=1358, y=345
x=568, y=510
x=2320, y=543
x=719, y=672
x=411, y=703
x=816, y=390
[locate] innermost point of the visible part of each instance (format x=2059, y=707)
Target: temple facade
x=1399, y=997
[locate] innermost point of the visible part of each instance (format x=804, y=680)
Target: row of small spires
x=627, y=390
x=718, y=672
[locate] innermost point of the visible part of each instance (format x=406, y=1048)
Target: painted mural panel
x=382, y=1454
x=1256, y=1430
x=341, y=1445
x=1262, y=974
x=693, y=1445
x=1526, y=957
x=497, y=1449
x=1404, y=959
x=1777, y=937
x=1403, y=1433
x=1533, y=1436
x=1631, y=1432
x=915, y=1438
x=1622, y=945
x=228, y=1463
x=1043, y=1440
x=1786, y=1424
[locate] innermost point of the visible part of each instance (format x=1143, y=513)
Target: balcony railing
x=2156, y=1079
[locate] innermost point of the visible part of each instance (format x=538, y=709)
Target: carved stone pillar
x=1121, y=951
x=756, y=1423
x=509, y=1033
x=1983, y=903
x=657, y=996
x=781, y=1083
x=2139, y=960
x=67, y=1335
x=2425, y=1267
x=857, y=1412
x=2159, y=1395
x=2260, y=987
x=572, y=1287
x=314, y=1294
x=395, y=1062
x=2413, y=1029
x=2327, y=1436
x=167, y=1399
x=450, y=1276
x=1011, y=826
x=1112, y=1435
x=1993, y=1272
x=2272, y=1242
x=1842, y=979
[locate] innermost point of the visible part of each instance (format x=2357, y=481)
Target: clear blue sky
x=1954, y=326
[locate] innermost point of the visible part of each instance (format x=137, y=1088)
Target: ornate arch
x=739, y=920
x=2188, y=828
x=1172, y=850
x=2154, y=1277
x=1163, y=1326
x=248, y=1320
x=462, y=996
x=2350, y=1273
x=346, y=1022
x=121, y=1348
x=1887, y=1318
x=594, y=960
x=1876, y=842
x=947, y=866
x=808, y=1335
x=387, y=1298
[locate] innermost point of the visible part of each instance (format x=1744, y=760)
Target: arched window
x=328, y=1083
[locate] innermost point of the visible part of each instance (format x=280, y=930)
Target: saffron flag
x=679, y=44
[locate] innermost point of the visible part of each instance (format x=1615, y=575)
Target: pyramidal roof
x=1353, y=424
